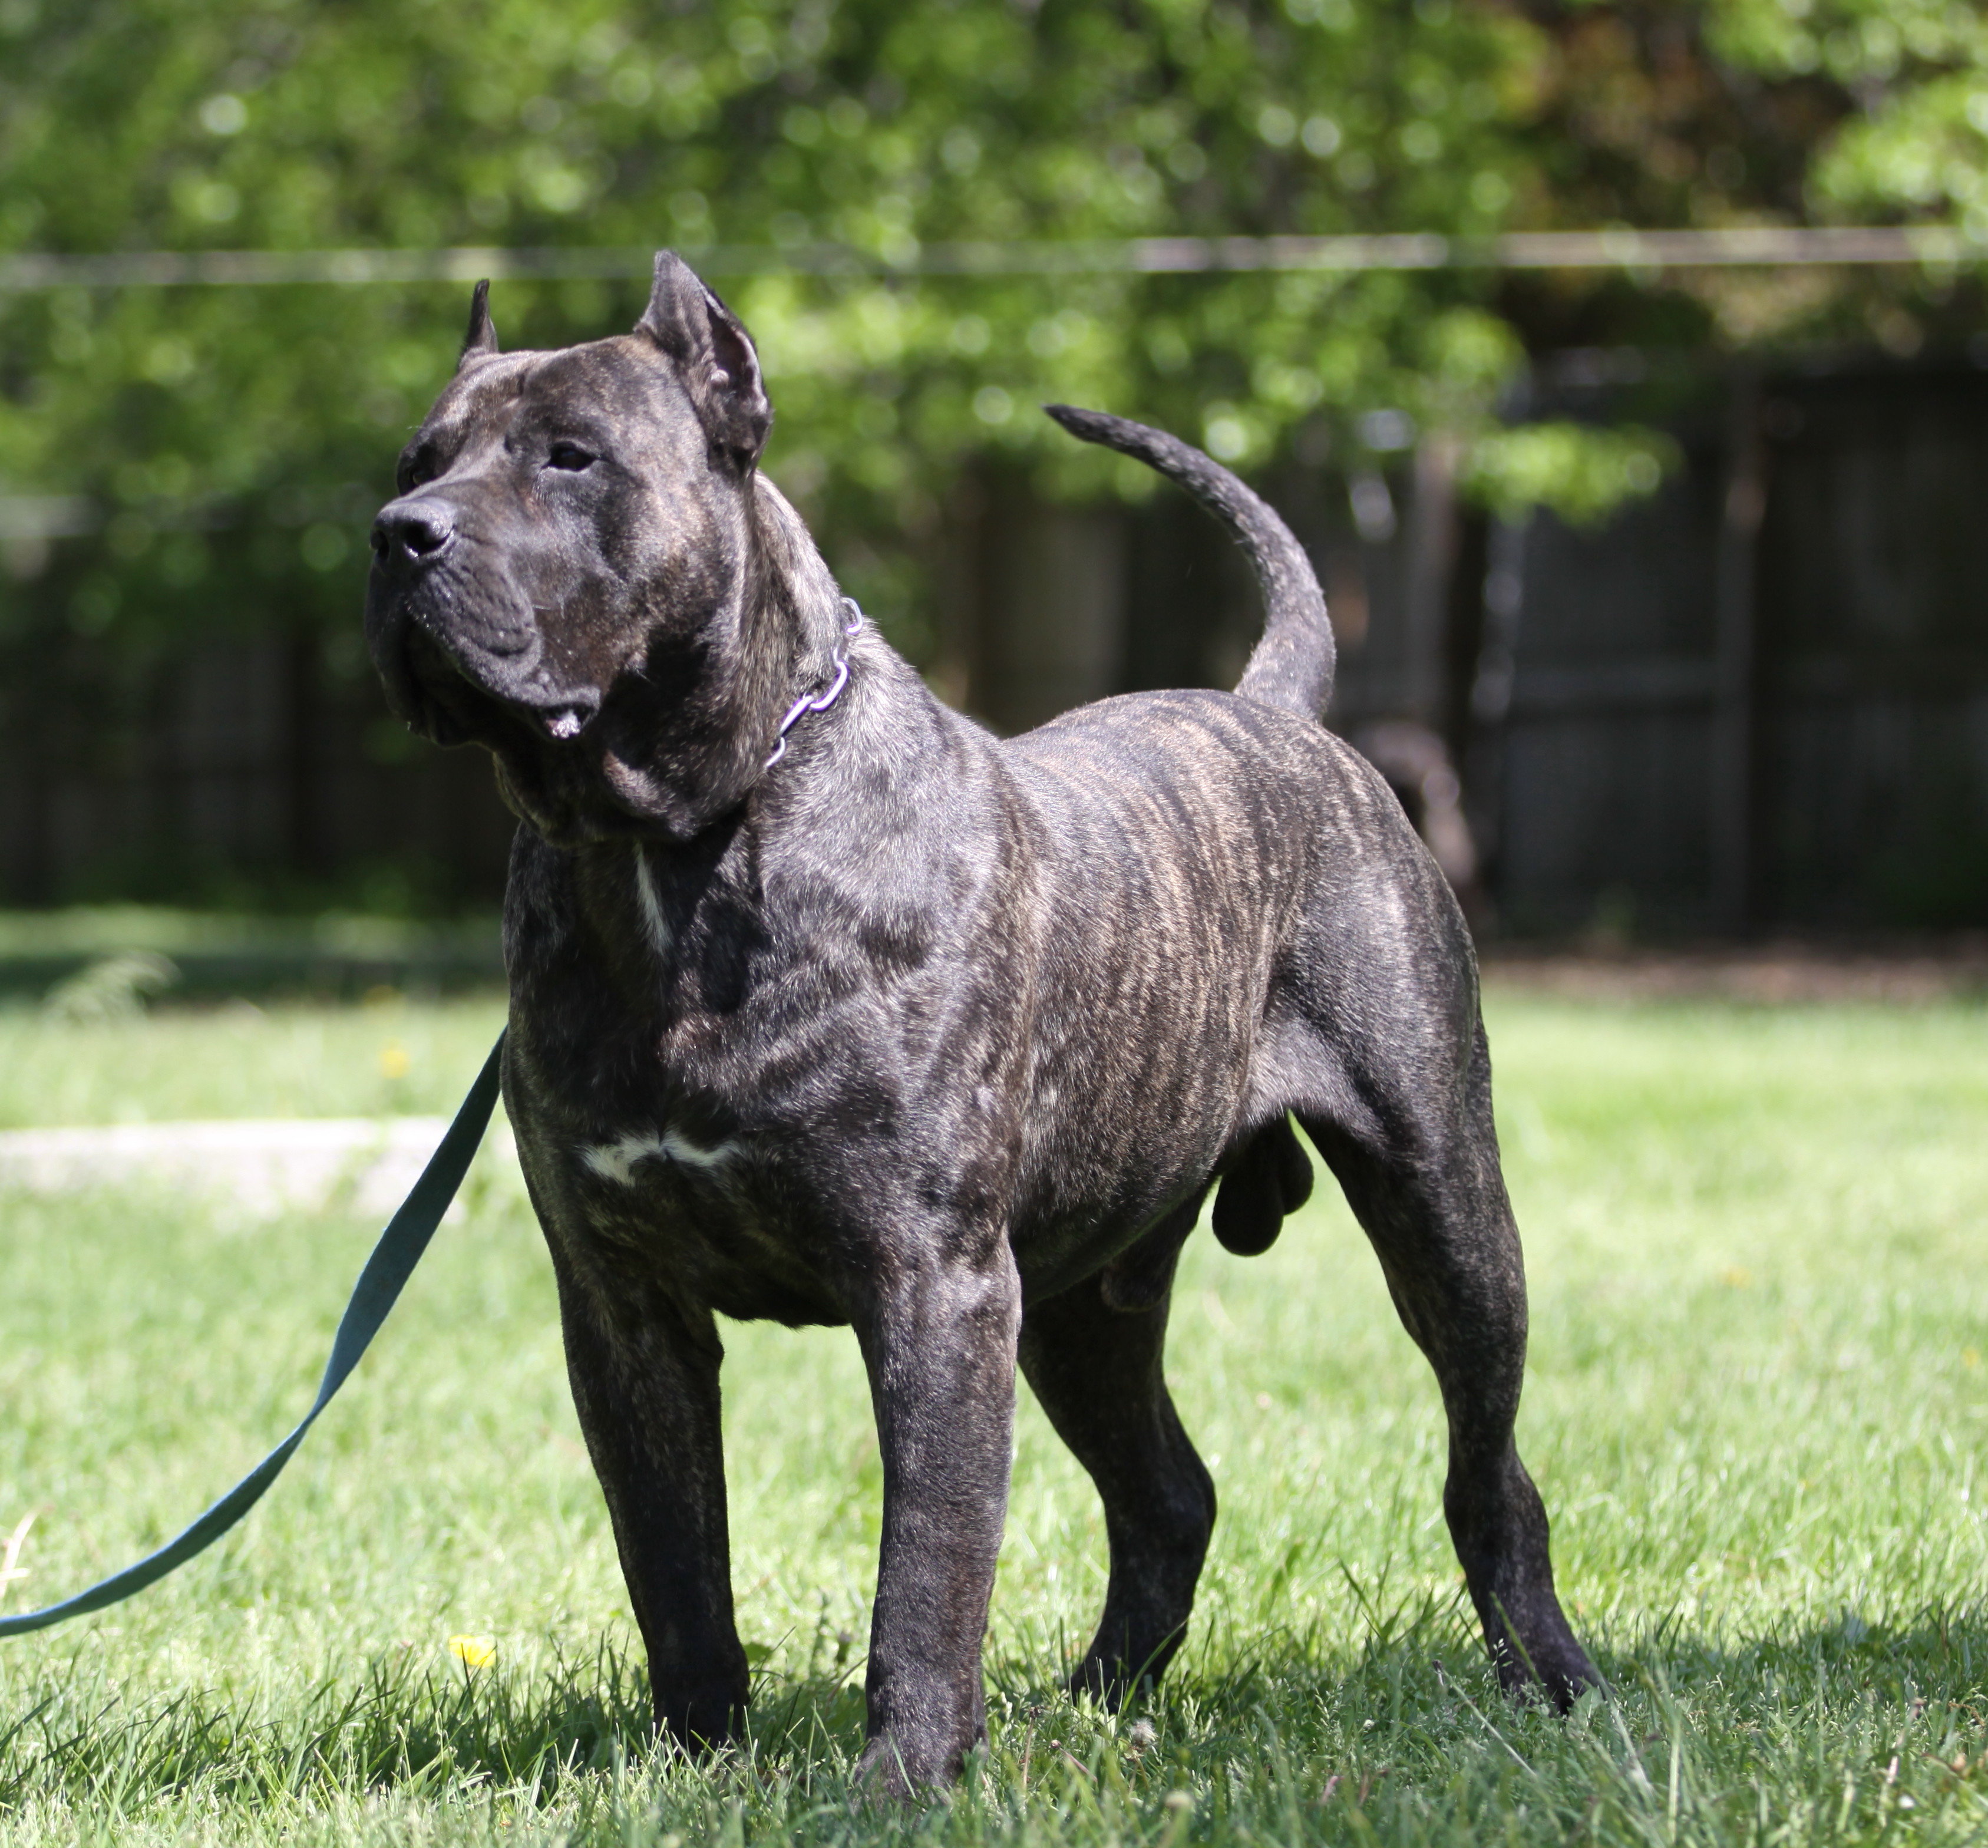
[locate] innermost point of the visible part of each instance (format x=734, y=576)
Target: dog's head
x=569, y=575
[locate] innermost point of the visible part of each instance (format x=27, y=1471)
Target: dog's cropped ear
x=480, y=341
x=715, y=354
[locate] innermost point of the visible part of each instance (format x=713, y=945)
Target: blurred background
x=1658, y=575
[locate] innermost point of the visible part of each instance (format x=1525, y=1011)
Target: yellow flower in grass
x=394, y=1060
x=473, y=1652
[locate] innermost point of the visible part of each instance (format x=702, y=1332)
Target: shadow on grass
x=1405, y=1701
x=400, y=1726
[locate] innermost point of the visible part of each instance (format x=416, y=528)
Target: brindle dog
x=881, y=1021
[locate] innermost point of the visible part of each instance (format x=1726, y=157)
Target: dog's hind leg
x=1373, y=1039
x=1414, y=1146
x=1096, y=1370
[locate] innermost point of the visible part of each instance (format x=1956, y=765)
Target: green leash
x=378, y=1288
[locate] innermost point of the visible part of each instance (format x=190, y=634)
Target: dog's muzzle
x=439, y=661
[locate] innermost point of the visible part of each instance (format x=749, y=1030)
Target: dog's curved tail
x=1292, y=666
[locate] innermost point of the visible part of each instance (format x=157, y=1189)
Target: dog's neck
x=689, y=753
x=782, y=638
x=794, y=578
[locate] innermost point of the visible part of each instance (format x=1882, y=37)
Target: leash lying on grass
x=374, y=1296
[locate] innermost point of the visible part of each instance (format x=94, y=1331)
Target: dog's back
x=1195, y=844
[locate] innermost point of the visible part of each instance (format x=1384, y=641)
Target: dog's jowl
x=827, y=1006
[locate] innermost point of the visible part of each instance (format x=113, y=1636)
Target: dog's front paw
x=704, y=1718
x=1567, y=1674
x=1555, y=1667
x=900, y=1767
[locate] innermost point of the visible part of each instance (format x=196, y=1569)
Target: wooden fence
x=1758, y=700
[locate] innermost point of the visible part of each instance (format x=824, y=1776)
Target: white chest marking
x=653, y=919
x=616, y=1161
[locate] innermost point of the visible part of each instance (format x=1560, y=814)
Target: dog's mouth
x=439, y=702
x=449, y=700
x=563, y=723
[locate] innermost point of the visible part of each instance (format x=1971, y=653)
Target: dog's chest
x=660, y=1180
x=708, y=1220
x=641, y=1110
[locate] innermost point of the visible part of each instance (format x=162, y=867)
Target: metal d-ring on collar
x=821, y=701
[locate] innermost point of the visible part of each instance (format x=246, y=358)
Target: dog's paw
x=1555, y=1669
x=901, y=1770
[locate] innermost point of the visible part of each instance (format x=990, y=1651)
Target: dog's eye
x=414, y=471
x=570, y=455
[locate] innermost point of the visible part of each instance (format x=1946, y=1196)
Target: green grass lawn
x=1757, y=1409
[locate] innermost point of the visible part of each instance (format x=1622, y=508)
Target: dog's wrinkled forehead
x=618, y=398
x=688, y=371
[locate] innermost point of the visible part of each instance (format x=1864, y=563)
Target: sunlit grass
x=390, y=1056
x=1757, y=1408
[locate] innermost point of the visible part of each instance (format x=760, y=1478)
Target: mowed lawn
x=1757, y=1408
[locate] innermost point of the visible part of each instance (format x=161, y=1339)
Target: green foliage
x=238, y=438
x=1754, y=1403
x=1919, y=69
x=881, y=126
x=1581, y=473
x=113, y=988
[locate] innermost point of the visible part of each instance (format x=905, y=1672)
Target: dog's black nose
x=412, y=532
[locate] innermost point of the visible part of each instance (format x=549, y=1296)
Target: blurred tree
x=1720, y=113
x=238, y=438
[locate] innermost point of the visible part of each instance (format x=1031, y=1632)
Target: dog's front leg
x=939, y=1342
x=645, y=1376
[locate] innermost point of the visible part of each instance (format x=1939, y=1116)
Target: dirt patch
x=1909, y=973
